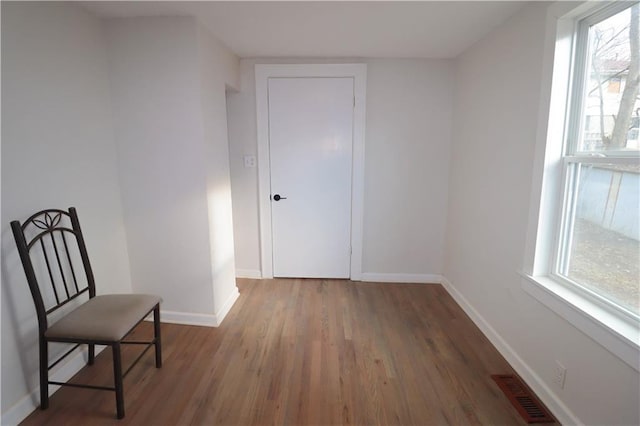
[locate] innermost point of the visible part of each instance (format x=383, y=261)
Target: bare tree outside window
x=611, y=120
x=630, y=94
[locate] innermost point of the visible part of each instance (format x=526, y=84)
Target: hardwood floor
x=306, y=352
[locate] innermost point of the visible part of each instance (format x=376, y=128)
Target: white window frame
x=614, y=328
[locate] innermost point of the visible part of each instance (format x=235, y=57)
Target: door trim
x=359, y=74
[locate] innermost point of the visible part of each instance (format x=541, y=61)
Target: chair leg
x=156, y=332
x=44, y=374
x=92, y=353
x=117, y=378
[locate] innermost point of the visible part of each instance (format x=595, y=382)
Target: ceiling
x=378, y=29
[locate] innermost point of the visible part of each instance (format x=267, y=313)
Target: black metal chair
x=51, y=247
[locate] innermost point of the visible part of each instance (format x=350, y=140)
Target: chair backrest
x=53, y=254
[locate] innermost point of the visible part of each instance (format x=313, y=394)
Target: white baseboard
x=222, y=313
x=187, y=318
x=66, y=370
x=365, y=276
x=548, y=397
x=402, y=278
x=248, y=273
x=205, y=320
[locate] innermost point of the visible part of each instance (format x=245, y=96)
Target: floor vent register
x=529, y=407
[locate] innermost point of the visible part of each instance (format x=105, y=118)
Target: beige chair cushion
x=105, y=318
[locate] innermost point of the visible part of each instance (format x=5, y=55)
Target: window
x=583, y=252
x=598, y=245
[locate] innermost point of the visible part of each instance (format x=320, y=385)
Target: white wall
x=409, y=107
x=154, y=81
x=406, y=148
x=241, y=114
x=167, y=80
x=219, y=68
x=498, y=90
x=57, y=151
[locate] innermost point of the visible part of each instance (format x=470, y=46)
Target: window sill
x=619, y=335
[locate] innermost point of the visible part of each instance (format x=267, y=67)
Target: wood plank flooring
x=307, y=352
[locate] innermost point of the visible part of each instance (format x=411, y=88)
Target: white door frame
x=359, y=74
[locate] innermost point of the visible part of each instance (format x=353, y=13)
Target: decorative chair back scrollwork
x=54, y=240
x=56, y=264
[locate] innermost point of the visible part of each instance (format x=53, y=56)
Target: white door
x=310, y=150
